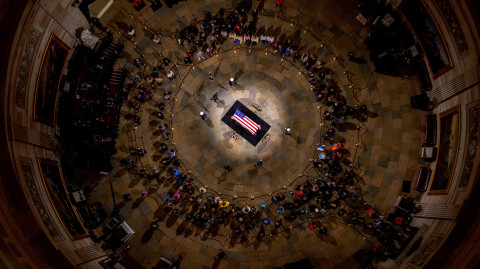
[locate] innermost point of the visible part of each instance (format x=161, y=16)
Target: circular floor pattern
x=282, y=153
x=389, y=139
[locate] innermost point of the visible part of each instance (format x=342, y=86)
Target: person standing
x=170, y=75
x=280, y=210
x=166, y=61
x=351, y=55
x=131, y=31
x=214, y=97
x=203, y=115
x=259, y=164
x=337, y=146
x=362, y=109
x=279, y=3
x=233, y=81
x=341, y=121
x=228, y=168
x=221, y=254
x=210, y=76
x=181, y=256
x=200, y=55
x=296, y=56
x=255, y=14
x=108, y=32
x=288, y=131
x=126, y=197
x=261, y=234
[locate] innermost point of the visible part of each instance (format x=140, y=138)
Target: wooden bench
x=423, y=179
x=430, y=129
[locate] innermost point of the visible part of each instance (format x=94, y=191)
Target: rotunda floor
x=387, y=151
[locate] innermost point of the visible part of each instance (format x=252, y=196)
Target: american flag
x=246, y=122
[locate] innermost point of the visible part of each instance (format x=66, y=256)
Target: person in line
x=126, y=197
x=181, y=256
x=131, y=31
x=221, y=254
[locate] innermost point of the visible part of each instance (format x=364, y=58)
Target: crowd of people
x=317, y=196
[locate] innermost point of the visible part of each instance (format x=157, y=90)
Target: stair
x=86, y=254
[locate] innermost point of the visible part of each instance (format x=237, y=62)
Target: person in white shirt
x=270, y=40
x=200, y=55
x=254, y=40
x=263, y=39
x=131, y=31
x=156, y=39
x=305, y=57
x=238, y=40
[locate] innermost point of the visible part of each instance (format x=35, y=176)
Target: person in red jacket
x=279, y=3
x=138, y=3
x=336, y=146
x=299, y=193
x=181, y=256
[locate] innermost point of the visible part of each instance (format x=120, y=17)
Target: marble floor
x=388, y=151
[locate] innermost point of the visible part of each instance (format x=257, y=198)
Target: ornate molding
x=452, y=22
x=37, y=200
x=428, y=248
x=471, y=144
x=26, y=265
x=3, y=232
x=14, y=249
x=25, y=66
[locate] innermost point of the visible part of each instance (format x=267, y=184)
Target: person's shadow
x=147, y=235
x=358, y=60
x=209, y=122
x=216, y=264
x=221, y=104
